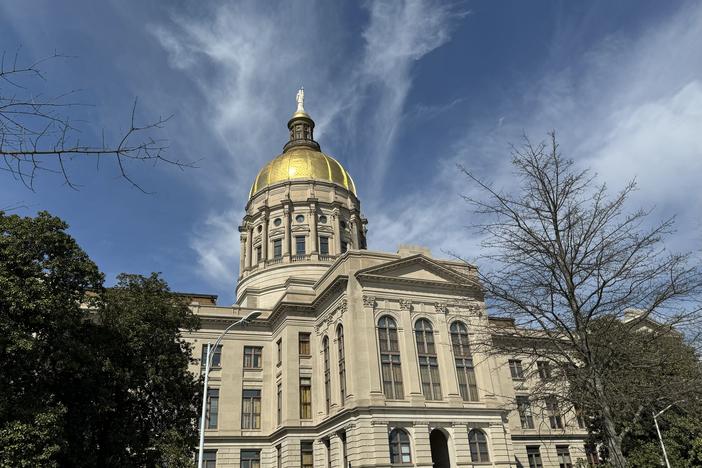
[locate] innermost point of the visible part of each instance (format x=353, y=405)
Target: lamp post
x=660, y=437
x=208, y=359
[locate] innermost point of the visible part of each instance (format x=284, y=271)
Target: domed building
x=358, y=358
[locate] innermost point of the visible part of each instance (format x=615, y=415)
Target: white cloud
x=248, y=61
x=628, y=108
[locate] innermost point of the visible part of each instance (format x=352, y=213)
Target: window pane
x=299, y=245
x=304, y=343
x=212, y=407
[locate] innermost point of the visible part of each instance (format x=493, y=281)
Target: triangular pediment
x=415, y=268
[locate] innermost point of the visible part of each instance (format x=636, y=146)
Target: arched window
x=399, y=446
x=478, y=446
x=467, y=384
x=327, y=373
x=428, y=364
x=390, y=358
x=342, y=363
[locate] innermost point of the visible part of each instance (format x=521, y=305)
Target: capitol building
x=359, y=358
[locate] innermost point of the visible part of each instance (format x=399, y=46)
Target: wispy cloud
x=630, y=107
x=248, y=61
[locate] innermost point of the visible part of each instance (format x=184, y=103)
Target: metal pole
x=660, y=437
x=204, y=407
x=208, y=358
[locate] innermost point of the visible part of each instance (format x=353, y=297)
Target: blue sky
x=401, y=93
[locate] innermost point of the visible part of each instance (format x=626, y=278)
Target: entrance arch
x=439, y=449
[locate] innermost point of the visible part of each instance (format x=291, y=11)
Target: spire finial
x=300, y=98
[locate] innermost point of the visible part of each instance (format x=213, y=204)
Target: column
x=286, y=229
x=422, y=446
x=249, y=242
x=354, y=232
x=447, y=365
x=264, y=236
x=242, y=250
x=314, y=243
x=337, y=231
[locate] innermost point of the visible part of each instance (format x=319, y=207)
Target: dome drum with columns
x=302, y=214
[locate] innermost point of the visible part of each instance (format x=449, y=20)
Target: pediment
x=416, y=268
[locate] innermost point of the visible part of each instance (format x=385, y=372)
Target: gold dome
x=303, y=163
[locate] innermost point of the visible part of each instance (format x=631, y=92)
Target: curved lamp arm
x=242, y=321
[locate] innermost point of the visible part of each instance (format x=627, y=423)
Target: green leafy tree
x=88, y=376
x=647, y=370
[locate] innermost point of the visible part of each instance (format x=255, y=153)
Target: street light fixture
x=658, y=430
x=208, y=360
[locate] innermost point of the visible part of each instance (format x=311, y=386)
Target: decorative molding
x=475, y=308
x=342, y=308
x=332, y=316
x=441, y=308
x=369, y=301
x=406, y=304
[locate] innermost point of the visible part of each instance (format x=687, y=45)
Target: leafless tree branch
x=38, y=134
x=565, y=261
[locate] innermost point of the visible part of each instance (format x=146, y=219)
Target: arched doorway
x=439, y=449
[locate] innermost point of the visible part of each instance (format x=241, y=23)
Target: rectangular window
x=251, y=409
x=344, y=453
x=544, y=368
x=250, y=459
x=278, y=456
x=327, y=448
x=279, y=412
x=579, y=416
x=392, y=376
x=306, y=454
x=258, y=254
x=305, y=398
x=525, y=416
x=324, y=245
x=212, y=407
x=534, y=457
x=277, y=248
x=304, y=344
x=209, y=459
x=515, y=368
x=563, y=456
x=279, y=348
x=252, y=357
x=554, y=415
x=467, y=384
x=344, y=246
x=593, y=457
x=429, y=375
x=299, y=245
x=216, y=353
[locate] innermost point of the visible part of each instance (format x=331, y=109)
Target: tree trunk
x=614, y=441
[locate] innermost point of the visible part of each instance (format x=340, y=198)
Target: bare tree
x=564, y=260
x=38, y=134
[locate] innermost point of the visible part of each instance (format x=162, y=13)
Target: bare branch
x=37, y=134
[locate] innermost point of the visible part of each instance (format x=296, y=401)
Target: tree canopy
x=89, y=376
x=565, y=259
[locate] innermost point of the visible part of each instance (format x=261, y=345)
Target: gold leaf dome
x=302, y=157
x=303, y=163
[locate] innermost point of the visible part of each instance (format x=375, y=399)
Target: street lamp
x=208, y=359
x=660, y=437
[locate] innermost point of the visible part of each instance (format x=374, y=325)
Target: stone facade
x=343, y=299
